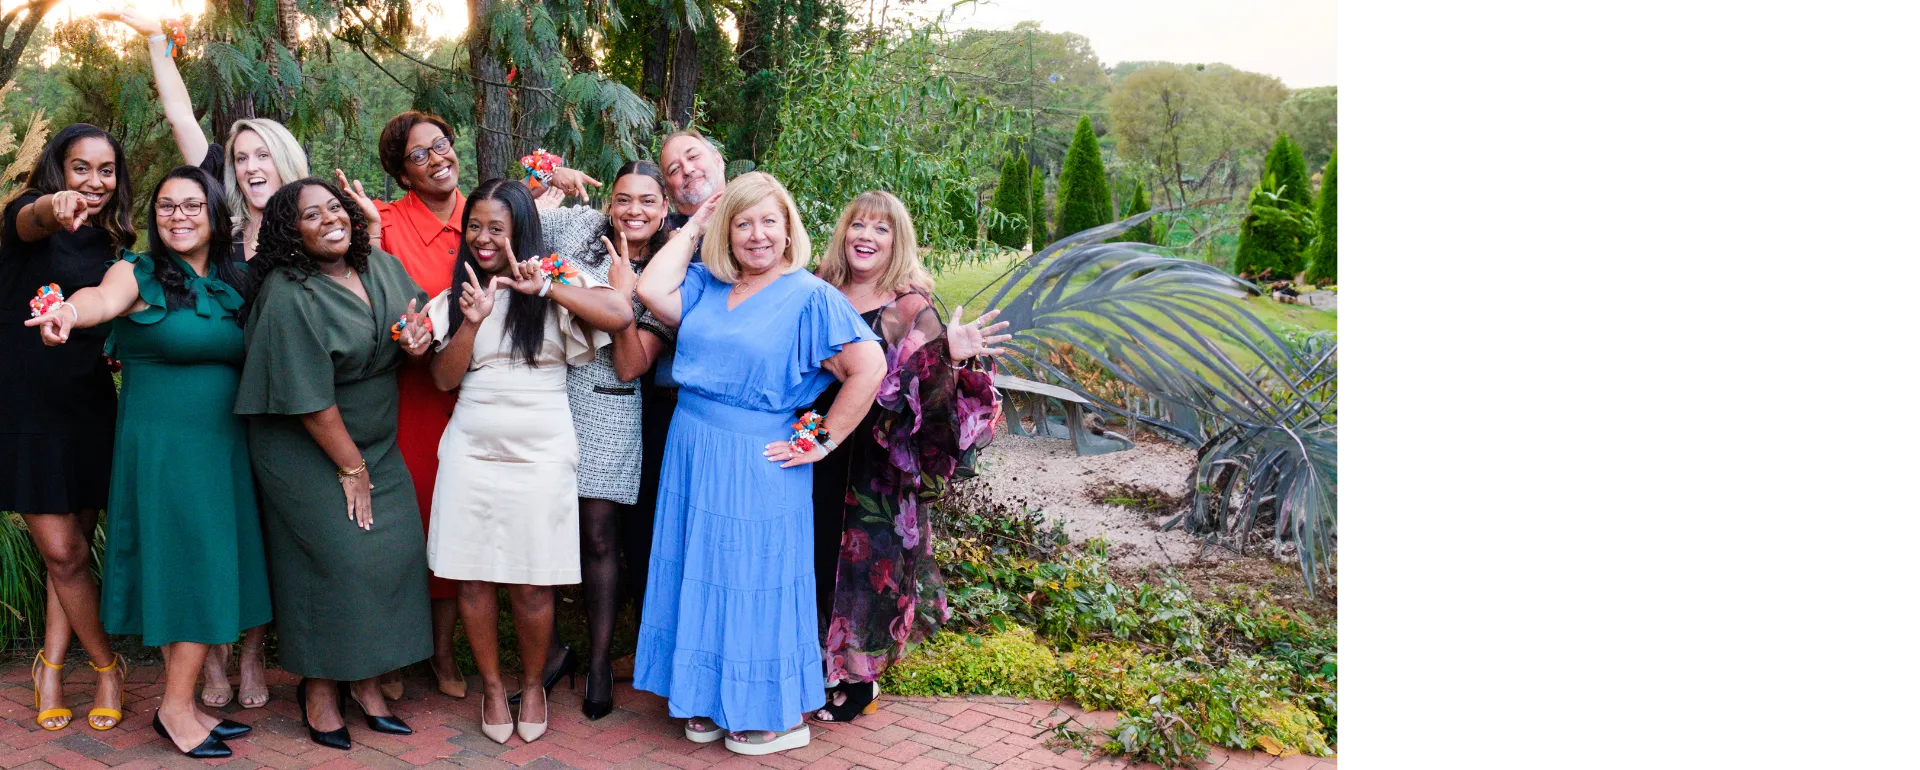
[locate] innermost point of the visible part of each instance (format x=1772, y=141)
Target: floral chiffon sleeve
x=939, y=415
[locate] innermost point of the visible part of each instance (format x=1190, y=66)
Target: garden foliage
x=1280, y=219
x=1138, y=204
x=1323, y=263
x=1040, y=234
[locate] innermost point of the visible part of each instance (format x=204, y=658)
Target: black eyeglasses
x=190, y=208
x=441, y=146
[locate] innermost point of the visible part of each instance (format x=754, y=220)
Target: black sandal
x=859, y=698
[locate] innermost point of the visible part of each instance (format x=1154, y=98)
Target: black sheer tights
x=600, y=585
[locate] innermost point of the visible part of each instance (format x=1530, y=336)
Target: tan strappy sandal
x=253, y=697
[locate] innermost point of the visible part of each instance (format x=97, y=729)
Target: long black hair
x=526, y=314
x=50, y=176
x=166, y=270
x=280, y=244
x=597, y=252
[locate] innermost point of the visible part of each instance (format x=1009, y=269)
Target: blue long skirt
x=728, y=629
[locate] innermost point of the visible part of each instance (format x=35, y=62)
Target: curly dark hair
x=220, y=264
x=280, y=245
x=597, y=252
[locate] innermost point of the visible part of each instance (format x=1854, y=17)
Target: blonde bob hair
x=903, y=271
x=742, y=193
x=288, y=158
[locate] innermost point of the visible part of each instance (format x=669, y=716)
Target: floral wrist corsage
x=810, y=432
x=401, y=325
x=559, y=269
x=46, y=300
x=539, y=166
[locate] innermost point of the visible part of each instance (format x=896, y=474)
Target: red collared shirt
x=425, y=246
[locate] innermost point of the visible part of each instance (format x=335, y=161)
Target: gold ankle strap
x=108, y=667
x=42, y=656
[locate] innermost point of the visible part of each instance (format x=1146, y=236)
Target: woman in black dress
x=57, y=404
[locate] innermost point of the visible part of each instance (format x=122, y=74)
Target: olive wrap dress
x=349, y=603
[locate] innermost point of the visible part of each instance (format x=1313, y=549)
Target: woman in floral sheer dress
x=879, y=588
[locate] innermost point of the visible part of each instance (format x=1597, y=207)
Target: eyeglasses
x=441, y=146
x=190, y=208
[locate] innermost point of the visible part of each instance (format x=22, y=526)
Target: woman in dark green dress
x=184, y=563
x=343, y=532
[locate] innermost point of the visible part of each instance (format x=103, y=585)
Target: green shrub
x=1084, y=199
x=1010, y=663
x=1138, y=204
x=1010, y=199
x=1038, y=209
x=1106, y=675
x=1242, y=704
x=964, y=206
x=1288, y=167
x=1279, y=222
x=1324, y=262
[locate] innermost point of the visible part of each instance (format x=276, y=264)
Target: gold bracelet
x=347, y=473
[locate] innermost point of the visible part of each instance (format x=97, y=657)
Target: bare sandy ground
x=1044, y=474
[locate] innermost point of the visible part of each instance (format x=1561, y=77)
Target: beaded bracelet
x=809, y=432
x=46, y=300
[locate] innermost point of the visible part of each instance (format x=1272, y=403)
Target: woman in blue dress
x=728, y=631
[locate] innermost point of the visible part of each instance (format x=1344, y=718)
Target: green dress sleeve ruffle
x=213, y=298
x=288, y=368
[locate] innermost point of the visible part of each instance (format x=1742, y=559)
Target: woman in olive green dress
x=347, y=553
x=184, y=563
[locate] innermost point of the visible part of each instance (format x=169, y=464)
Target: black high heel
x=332, y=739
x=595, y=709
x=566, y=667
x=388, y=724
x=211, y=748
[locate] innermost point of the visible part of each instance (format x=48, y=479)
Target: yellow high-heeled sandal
x=113, y=714
x=40, y=659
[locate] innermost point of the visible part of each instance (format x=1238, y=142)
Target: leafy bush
x=964, y=207
x=1106, y=675
x=1280, y=219
x=1324, y=262
x=1084, y=199
x=1010, y=199
x=1139, y=204
x=1009, y=663
x=23, y=581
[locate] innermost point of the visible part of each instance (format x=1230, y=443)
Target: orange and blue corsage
x=809, y=431
x=46, y=300
x=560, y=269
x=539, y=166
x=401, y=325
x=177, y=41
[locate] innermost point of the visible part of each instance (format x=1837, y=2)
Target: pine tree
x=1322, y=266
x=1143, y=232
x=1274, y=236
x=1010, y=199
x=1084, y=199
x=1041, y=237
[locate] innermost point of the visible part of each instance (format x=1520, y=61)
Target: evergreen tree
x=1321, y=268
x=1143, y=232
x=1010, y=199
x=1039, y=210
x=1278, y=227
x=1084, y=199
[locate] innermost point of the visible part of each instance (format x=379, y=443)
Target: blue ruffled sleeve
x=828, y=323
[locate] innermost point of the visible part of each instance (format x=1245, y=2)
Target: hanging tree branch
x=367, y=28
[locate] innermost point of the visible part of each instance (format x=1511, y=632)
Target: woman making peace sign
x=504, y=504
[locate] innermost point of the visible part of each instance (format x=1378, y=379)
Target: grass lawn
x=957, y=283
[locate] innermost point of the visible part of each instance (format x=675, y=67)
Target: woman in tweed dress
x=606, y=409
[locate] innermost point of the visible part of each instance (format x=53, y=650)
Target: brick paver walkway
x=979, y=733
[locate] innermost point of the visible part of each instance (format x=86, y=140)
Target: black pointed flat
x=211, y=748
x=228, y=730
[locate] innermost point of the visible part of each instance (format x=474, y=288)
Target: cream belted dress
x=505, y=504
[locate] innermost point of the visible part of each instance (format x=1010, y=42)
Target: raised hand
x=56, y=324
x=697, y=222
x=620, y=275
x=571, y=181
x=524, y=277
x=968, y=340
x=415, y=336
x=360, y=198
x=69, y=209
x=141, y=24
x=476, y=298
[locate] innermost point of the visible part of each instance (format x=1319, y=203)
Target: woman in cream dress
x=504, y=505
